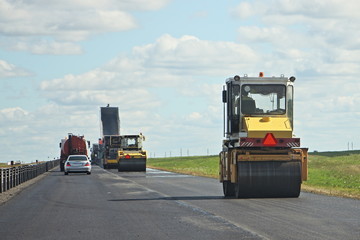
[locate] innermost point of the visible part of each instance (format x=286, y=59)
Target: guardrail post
x=7, y=178
x=1, y=181
x=10, y=179
x=13, y=176
x=16, y=176
x=21, y=171
x=5, y=183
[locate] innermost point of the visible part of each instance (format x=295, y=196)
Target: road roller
x=131, y=156
x=260, y=157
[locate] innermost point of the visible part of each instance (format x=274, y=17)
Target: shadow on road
x=168, y=198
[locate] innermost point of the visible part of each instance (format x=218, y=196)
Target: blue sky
x=163, y=64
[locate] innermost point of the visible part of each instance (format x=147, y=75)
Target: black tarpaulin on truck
x=110, y=120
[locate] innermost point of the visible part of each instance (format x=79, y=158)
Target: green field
x=333, y=173
x=5, y=165
x=200, y=166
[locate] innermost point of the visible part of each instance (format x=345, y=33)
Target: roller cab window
x=131, y=143
x=263, y=99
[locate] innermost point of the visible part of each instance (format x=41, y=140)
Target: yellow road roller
x=131, y=156
x=260, y=155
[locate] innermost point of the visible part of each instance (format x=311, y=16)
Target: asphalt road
x=162, y=205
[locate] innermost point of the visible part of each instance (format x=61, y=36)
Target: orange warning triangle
x=269, y=140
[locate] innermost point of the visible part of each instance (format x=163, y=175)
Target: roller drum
x=132, y=165
x=268, y=179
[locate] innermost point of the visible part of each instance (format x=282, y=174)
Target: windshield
x=263, y=99
x=77, y=158
x=129, y=142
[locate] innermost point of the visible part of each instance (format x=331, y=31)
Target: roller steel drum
x=268, y=179
x=132, y=165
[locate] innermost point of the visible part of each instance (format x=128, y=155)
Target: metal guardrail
x=13, y=176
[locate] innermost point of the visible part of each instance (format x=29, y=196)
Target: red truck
x=72, y=145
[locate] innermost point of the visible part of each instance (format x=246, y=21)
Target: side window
x=290, y=109
x=233, y=108
x=236, y=100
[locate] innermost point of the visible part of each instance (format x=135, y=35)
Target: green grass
x=333, y=173
x=207, y=166
x=5, y=165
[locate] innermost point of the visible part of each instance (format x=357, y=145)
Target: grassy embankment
x=5, y=165
x=333, y=173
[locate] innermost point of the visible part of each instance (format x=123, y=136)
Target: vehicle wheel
x=228, y=189
x=88, y=173
x=66, y=173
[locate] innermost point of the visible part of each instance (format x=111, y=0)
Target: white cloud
x=67, y=21
x=13, y=114
x=311, y=34
x=38, y=132
x=66, y=25
x=47, y=47
x=81, y=17
x=152, y=86
x=190, y=55
x=144, y=81
x=288, y=9
x=243, y=10
x=8, y=70
x=168, y=62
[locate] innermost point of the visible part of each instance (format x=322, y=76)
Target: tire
x=66, y=173
x=228, y=189
x=88, y=173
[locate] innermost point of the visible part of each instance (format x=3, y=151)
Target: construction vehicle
x=260, y=156
x=110, y=142
x=132, y=157
x=111, y=146
x=97, y=152
x=72, y=145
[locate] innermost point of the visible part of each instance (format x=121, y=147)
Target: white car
x=78, y=164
